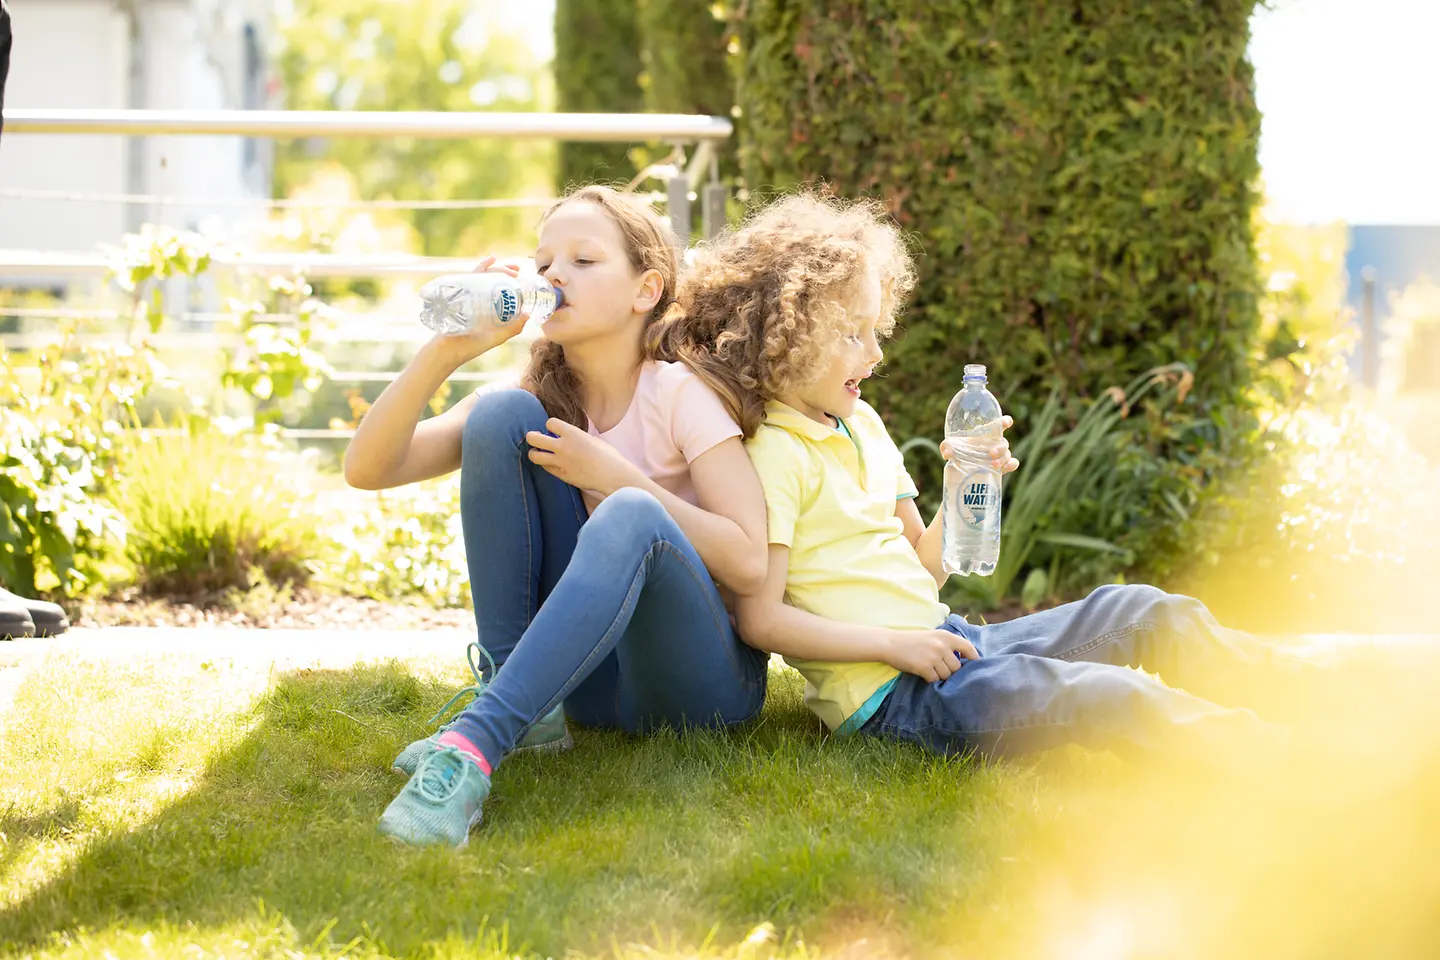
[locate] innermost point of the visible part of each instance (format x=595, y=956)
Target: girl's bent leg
x=1013, y=704
x=635, y=599
x=679, y=663
x=520, y=524
x=1141, y=626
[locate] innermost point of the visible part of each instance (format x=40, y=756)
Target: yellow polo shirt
x=831, y=499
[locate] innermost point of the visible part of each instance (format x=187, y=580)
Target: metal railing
x=685, y=179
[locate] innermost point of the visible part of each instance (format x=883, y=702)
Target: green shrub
x=58, y=459
x=1079, y=181
x=597, y=70
x=403, y=544
x=205, y=511
x=55, y=533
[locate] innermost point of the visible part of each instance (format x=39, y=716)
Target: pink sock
x=452, y=739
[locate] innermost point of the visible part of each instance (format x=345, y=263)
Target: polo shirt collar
x=786, y=417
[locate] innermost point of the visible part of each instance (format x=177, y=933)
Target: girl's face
x=836, y=390
x=582, y=251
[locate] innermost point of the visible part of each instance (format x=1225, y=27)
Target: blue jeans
x=614, y=614
x=1062, y=676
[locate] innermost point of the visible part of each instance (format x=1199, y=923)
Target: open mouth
x=852, y=386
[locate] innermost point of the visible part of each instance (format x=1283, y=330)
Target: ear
x=652, y=285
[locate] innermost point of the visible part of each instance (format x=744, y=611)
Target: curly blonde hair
x=762, y=305
x=649, y=245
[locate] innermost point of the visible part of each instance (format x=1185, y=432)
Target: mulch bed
x=305, y=609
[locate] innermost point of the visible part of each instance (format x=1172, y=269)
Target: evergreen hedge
x=1080, y=179
x=685, y=59
x=597, y=70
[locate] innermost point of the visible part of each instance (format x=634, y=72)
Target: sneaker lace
x=472, y=654
x=438, y=775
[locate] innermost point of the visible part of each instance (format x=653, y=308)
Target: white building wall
x=72, y=54
x=77, y=53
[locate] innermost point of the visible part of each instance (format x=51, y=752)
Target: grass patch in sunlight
x=173, y=805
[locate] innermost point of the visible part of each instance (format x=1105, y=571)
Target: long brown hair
x=761, y=305
x=649, y=246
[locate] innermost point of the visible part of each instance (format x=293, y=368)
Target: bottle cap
x=975, y=372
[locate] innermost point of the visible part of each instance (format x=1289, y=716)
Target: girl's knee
x=629, y=506
x=503, y=414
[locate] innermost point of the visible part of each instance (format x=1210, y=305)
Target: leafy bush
x=1329, y=526
x=54, y=531
x=205, y=511
x=58, y=458
x=1079, y=180
x=66, y=411
x=406, y=543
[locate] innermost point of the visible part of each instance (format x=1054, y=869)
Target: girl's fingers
x=486, y=263
x=1006, y=422
x=560, y=427
x=542, y=441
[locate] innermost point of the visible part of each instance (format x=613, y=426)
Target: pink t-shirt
x=673, y=418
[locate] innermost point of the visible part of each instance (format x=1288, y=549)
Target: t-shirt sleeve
x=698, y=419
x=780, y=464
x=905, y=488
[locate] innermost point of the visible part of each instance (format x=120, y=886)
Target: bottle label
x=507, y=305
x=977, y=496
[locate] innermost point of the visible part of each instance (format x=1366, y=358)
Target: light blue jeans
x=1063, y=676
x=615, y=615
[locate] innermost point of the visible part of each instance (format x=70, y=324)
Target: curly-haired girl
x=596, y=503
x=784, y=317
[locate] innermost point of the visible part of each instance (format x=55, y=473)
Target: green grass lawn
x=184, y=809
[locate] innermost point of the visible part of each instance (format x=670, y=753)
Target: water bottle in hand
x=460, y=302
x=970, y=517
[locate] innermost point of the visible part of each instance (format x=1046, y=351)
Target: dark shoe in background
x=6, y=41
x=46, y=619
x=15, y=621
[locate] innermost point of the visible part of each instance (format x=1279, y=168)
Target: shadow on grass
x=681, y=841
x=623, y=837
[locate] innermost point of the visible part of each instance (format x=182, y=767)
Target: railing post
x=1369, y=332
x=677, y=200
x=712, y=207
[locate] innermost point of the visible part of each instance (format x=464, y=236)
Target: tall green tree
x=448, y=55
x=597, y=70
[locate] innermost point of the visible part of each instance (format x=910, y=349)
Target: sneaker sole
x=474, y=822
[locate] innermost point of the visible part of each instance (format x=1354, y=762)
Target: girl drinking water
x=600, y=505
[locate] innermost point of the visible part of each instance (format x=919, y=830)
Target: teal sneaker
x=548, y=735
x=441, y=804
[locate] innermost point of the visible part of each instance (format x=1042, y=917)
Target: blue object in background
x=1398, y=256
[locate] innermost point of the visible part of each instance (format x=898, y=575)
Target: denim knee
x=629, y=507
x=1153, y=605
x=502, y=416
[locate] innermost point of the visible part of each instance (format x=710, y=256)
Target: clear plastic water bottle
x=460, y=302
x=970, y=517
